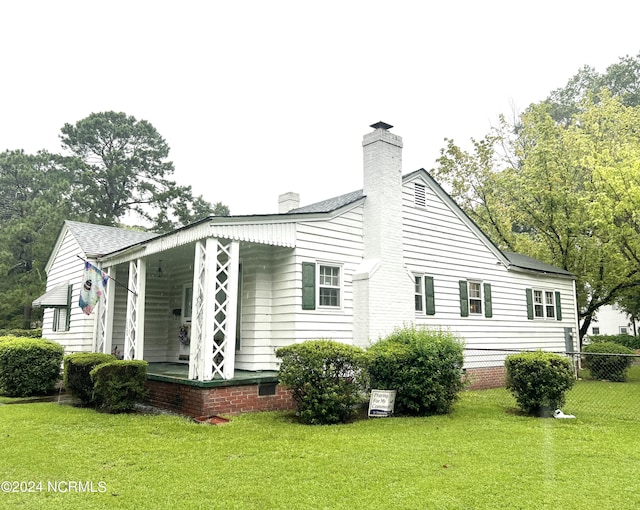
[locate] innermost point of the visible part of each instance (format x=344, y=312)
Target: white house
x=611, y=320
x=351, y=268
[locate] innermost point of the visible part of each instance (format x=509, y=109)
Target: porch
x=170, y=388
x=203, y=310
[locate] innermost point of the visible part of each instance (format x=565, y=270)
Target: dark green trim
x=258, y=379
x=67, y=325
x=529, y=304
x=488, y=308
x=429, y=296
x=558, y=307
x=464, y=298
x=308, y=286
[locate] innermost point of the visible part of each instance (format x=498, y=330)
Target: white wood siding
x=66, y=266
x=439, y=244
x=340, y=241
x=256, y=307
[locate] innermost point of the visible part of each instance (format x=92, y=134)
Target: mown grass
x=483, y=455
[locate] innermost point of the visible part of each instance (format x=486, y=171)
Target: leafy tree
x=120, y=166
x=565, y=193
x=35, y=198
x=621, y=79
x=629, y=302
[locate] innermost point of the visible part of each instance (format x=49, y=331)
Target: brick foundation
x=197, y=401
x=485, y=378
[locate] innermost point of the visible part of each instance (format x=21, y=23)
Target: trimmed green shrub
x=326, y=379
x=77, y=373
x=119, y=384
x=539, y=380
x=630, y=341
x=423, y=365
x=29, y=366
x=601, y=360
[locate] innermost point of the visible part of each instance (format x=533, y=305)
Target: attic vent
x=420, y=195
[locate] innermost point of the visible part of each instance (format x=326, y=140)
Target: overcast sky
x=257, y=98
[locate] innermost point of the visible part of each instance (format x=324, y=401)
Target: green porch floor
x=178, y=373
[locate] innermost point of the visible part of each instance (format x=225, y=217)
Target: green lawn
x=483, y=455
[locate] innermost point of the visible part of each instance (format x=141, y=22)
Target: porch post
x=213, y=326
x=225, y=329
x=134, y=328
x=104, y=329
x=198, y=309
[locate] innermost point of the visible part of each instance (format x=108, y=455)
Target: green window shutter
x=558, y=307
x=530, y=304
x=488, y=308
x=429, y=294
x=308, y=286
x=464, y=298
x=67, y=325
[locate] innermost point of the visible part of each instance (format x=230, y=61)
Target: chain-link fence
x=607, y=385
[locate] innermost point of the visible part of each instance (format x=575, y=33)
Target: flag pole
x=110, y=277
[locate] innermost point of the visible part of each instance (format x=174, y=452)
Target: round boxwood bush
x=539, y=380
x=29, y=366
x=607, y=360
x=119, y=384
x=423, y=365
x=77, y=373
x=326, y=378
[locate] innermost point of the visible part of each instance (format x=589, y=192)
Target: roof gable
x=97, y=240
x=513, y=261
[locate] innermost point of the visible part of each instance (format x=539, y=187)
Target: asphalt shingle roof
x=97, y=240
x=330, y=204
x=526, y=262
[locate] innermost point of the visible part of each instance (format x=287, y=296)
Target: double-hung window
x=424, y=295
x=543, y=304
x=475, y=298
x=321, y=285
x=328, y=286
x=419, y=294
x=60, y=319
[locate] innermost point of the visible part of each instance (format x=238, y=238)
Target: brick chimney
x=383, y=287
x=288, y=201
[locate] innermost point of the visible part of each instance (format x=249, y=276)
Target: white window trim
x=60, y=319
x=543, y=304
x=340, y=286
x=480, y=298
x=419, y=287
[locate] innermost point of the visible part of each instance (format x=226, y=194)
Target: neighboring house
x=351, y=268
x=611, y=320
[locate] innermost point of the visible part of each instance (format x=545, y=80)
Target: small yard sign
x=381, y=403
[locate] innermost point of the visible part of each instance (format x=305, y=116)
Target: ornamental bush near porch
x=326, y=379
x=77, y=373
x=539, y=380
x=29, y=366
x=423, y=365
x=119, y=384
